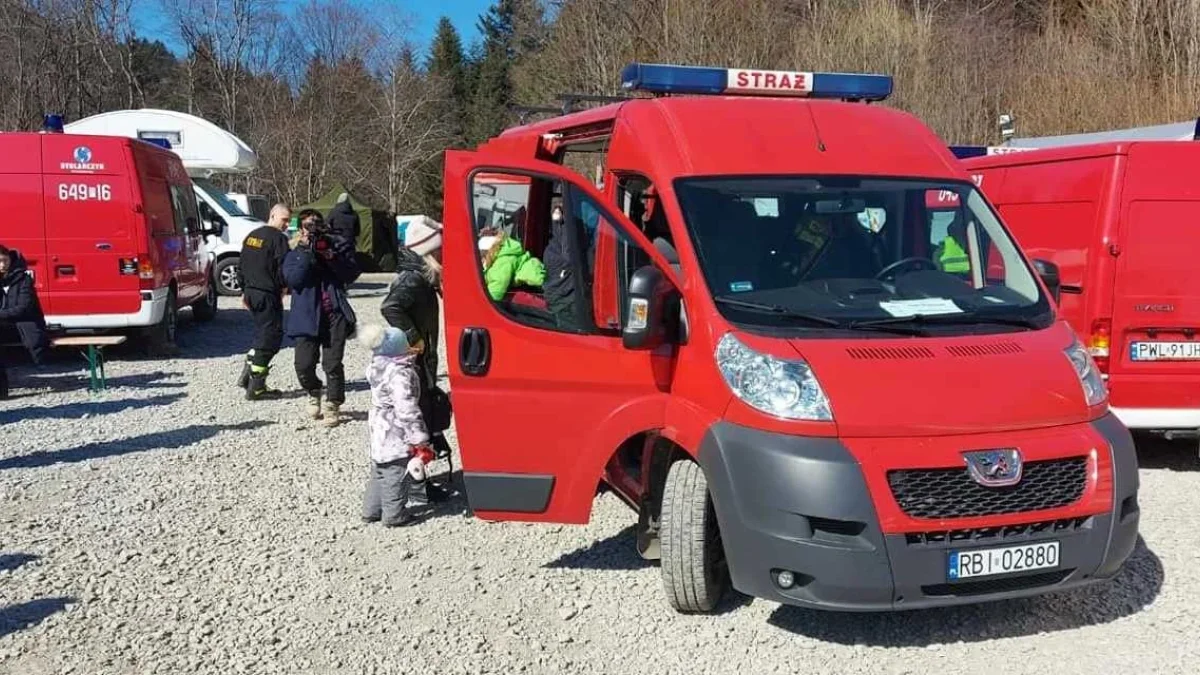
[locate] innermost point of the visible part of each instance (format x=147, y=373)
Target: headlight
x=779, y=387
x=1089, y=375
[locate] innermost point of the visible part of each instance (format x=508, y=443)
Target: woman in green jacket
x=506, y=262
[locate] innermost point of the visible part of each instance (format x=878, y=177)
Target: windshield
x=847, y=252
x=218, y=197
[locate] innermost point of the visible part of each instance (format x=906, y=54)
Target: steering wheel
x=905, y=262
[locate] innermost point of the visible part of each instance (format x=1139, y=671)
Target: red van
x=110, y=229
x=1118, y=219
x=758, y=334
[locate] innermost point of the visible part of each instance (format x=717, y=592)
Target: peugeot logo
x=83, y=154
x=995, y=468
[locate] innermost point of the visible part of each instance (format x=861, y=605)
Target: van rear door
x=24, y=227
x=1156, y=310
x=92, y=238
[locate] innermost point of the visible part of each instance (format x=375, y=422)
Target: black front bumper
x=802, y=505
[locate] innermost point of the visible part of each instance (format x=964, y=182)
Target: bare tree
x=224, y=36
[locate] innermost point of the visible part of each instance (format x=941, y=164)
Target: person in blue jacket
x=317, y=272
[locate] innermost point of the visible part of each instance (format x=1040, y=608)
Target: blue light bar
x=52, y=124
x=160, y=142
x=668, y=79
x=968, y=151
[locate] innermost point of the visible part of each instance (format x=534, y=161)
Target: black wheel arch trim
x=508, y=492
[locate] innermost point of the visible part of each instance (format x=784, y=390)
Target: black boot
x=434, y=493
x=244, y=378
x=257, y=390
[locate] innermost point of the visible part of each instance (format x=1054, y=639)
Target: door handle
x=104, y=246
x=65, y=270
x=475, y=351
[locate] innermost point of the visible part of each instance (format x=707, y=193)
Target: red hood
x=961, y=385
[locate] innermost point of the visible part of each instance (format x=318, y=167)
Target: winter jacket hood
x=505, y=262
x=19, y=306
x=16, y=268
x=395, y=420
x=343, y=220
x=412, y=306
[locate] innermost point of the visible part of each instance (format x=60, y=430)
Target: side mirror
x=1048, y=271
x=214, y=226
x=650, y=322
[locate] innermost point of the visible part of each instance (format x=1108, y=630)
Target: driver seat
x=847, y=255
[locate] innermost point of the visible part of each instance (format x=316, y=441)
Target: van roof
x=726, y=135
x=1067, y=153
x=21, y=152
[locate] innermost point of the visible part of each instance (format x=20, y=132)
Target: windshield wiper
x=947, y=319
x=782, y=312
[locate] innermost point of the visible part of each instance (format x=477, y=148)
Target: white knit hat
x=423, y=236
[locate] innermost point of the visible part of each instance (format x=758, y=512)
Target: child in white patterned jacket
x=399, y=440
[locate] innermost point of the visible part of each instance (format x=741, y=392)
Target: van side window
x=187, y=220
x=160, y=207
x=610, y=258
x=549, y=258
x=516, y=245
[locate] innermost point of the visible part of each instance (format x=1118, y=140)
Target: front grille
x=1005, y=534
x=952, y=493
x=986, y=586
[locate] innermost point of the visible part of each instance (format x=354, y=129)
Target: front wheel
x=160, y=338
x=225, y=274
x=694, y=571
x=205, y=309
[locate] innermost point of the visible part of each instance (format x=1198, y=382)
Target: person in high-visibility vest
x=951, y=257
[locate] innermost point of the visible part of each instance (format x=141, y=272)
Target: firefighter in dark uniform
x=261, y=279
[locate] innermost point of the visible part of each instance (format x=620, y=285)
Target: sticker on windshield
x=872, y=219
x=741, y=286
x=927, y=306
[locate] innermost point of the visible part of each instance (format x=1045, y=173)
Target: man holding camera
x=317, y=271
x=260, y=274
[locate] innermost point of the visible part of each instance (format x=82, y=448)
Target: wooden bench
x=92, y=346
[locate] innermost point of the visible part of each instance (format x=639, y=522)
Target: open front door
x=544, y=392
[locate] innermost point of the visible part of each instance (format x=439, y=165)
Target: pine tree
x=448, y=64
x=491, y=97
x=446, y=67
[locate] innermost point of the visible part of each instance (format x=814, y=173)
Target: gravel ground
x=169, y=527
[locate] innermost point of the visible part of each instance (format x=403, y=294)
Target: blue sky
x=424, y=13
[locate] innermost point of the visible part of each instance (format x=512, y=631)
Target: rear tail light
x=1099, y=343
x=145, y=270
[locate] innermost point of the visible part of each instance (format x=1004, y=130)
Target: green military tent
x=376, y=243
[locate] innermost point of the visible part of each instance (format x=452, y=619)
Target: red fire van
x=759, y=335
x=110, y=229
x=1117, y=220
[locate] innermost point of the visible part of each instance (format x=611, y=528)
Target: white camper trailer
x=206, y=150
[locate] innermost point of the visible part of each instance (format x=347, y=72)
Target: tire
x=160, y=338
x=225, y=275
x=206, y=308
x=694, y=573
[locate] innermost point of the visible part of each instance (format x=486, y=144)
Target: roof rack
x=567, y=105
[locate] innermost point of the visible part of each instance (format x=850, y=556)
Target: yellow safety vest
x=953, y=258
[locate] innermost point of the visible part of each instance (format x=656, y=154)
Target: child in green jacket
x=505, y=262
